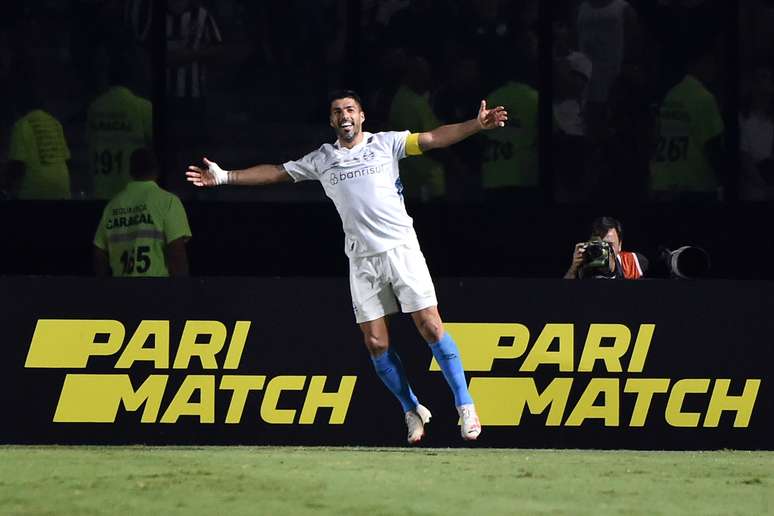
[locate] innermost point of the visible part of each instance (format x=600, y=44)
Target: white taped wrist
x=220, y=175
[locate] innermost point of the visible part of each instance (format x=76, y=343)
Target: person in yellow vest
x=118, y=122
x=144, y=229
x=423, y=177
x=622, y=264
x=38, y=155
x=509, y=161
x=687, y=158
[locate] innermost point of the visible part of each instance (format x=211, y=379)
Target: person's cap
x=579, y=63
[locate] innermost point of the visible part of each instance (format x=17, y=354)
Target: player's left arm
x=450, y=134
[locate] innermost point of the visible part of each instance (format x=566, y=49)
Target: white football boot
x=415, y=421
x=470, y=427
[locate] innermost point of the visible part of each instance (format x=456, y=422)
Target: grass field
x=380, y=481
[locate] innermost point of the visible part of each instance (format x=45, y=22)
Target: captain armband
x=412, y=145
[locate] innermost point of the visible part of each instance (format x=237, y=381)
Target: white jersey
x=364, y=185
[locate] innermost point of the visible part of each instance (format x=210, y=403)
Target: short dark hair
x=345, y=94
x=143, y=164
x=602, y=225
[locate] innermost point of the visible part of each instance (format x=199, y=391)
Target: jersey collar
x=366, y=137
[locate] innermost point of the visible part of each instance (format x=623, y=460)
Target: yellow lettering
x=501, y=401
x=674, y=415
x=540, y=355
x=316, y=398
x=206, y=352
x=70, y=342
x=241, y=385
x=645, y=388
x=269, y=411
x=94, y=398
x=742, y=405
x=236, y=345
x=479, y=343
x=158, y=354
x=610, y=355
x=182, y=405
x=609, y=410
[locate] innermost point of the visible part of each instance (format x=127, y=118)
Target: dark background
x=266, y=102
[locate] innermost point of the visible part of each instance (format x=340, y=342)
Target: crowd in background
x=640, y=100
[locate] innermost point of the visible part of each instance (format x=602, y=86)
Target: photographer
x=601, y=256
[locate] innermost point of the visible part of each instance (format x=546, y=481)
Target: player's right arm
x=212, y=175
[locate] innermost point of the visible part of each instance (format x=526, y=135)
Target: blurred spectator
x=423, y=177
x=630, y=137
x=193, y=40
x=687, y=160
x=756, y=135
x=452, y=102
x=144, y=229
x=488, y=27
x=118, y=123
x=605, y=28
x=571, y=77
x=38, y=152
x=510, y=164
x=192, y=36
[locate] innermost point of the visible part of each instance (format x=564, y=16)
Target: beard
x=349, y=136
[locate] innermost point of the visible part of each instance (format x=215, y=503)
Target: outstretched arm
x=450, y=134
x=213, y=175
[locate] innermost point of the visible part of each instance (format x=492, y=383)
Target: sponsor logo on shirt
x=336, y=177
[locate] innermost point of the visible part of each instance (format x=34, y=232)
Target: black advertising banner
x=567, y=364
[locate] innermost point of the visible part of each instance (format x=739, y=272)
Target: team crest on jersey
x=368, y=155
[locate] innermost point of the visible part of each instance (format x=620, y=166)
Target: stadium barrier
x=551, y=364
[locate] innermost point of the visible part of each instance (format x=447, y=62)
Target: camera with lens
x=597, y=254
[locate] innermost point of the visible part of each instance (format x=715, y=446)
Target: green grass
x=384, y=481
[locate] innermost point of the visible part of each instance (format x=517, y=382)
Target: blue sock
x=448, y=357
x=390, y=369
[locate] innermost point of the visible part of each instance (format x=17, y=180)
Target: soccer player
x=144, y=229
x=359, y=172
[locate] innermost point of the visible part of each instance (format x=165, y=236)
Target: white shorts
x=375, y=281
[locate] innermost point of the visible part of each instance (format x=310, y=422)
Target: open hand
x=491, y=118
x=213, y=175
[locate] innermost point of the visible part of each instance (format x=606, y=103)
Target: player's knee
x=431, y=329
x=376, y=344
